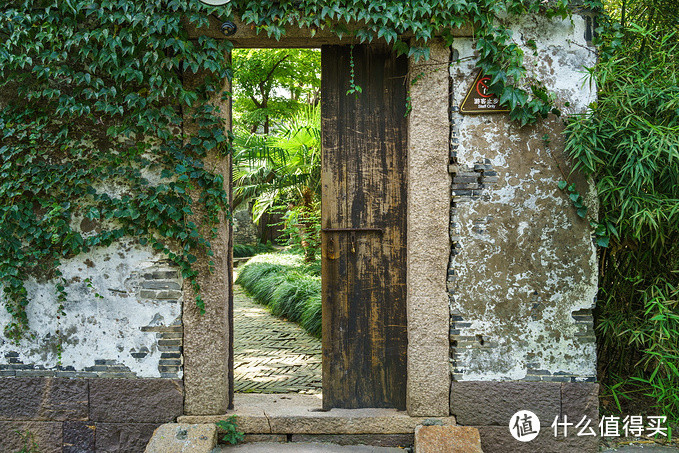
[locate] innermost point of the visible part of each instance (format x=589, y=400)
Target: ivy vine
x=93, y=104
x=91, y=128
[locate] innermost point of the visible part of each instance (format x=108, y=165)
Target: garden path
x=272, y=355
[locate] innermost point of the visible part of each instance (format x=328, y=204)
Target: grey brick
x=156, y=284
x=161, y=275
x=135, y=400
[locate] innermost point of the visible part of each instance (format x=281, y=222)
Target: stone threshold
x=303, y=414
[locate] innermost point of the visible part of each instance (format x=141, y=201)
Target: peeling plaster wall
x=522, y=278
x=122, y=319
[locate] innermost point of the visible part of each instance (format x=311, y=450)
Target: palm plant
x=283, y=170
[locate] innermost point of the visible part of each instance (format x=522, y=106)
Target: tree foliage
x=282, y=172
x=272, y=84
x=281, y=168
x=367, y=20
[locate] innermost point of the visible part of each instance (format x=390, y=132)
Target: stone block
x=168, y=294
x=498, y=439
x=78, y=437
x=135, y=400
x=447, y=439
x=46, y=435
x=251, y=438
x=123, y=437
x=35, y=373
x=40, y=398
x=342, y=421
x=580, y=399
x=160, y=294
x=178, y=438
x=466, y=179
x=376, y=440
x=477, y=403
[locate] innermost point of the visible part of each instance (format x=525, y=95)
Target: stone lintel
x=247, y=35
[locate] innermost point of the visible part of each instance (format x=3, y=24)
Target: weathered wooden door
x=364, y=223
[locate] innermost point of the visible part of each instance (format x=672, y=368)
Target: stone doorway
x=208, y=378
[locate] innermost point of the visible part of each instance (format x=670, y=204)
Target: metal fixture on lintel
x=228, y=27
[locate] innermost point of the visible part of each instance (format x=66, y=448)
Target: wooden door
x=364, y=223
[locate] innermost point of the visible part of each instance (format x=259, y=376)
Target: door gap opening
x=276, y=181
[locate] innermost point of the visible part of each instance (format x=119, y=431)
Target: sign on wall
x=479, y=99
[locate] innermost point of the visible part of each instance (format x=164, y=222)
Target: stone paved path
x=272, y=355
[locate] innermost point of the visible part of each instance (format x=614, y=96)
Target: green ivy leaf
x=603, y=241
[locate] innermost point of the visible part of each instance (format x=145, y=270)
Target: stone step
x=292, y=414
x=303, y=447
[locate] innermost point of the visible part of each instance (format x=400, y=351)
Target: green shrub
x=288, y=287
x=258, y=279
x=302, y=229
x=629, y=143
x=247, y=250
x=229, y=428
x=29, y=445
x=311, y=318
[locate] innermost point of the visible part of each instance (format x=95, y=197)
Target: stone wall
x=122, y=319
x=521, y=281
x=86, y=415
x=244, y=229
x=522, y=277
x=102, y=376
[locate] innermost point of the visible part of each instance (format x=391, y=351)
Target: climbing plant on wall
x=91, y=130
x=93, y=104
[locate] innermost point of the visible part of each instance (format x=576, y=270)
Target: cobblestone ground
x=272, y=355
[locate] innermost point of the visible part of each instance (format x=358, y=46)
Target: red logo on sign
x=482, y=88
x=480, y=99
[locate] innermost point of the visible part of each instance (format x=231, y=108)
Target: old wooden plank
x=364, y=178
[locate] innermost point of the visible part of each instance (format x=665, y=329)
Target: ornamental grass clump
x=288, y=287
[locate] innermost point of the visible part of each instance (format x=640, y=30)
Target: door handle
x=330, y=248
